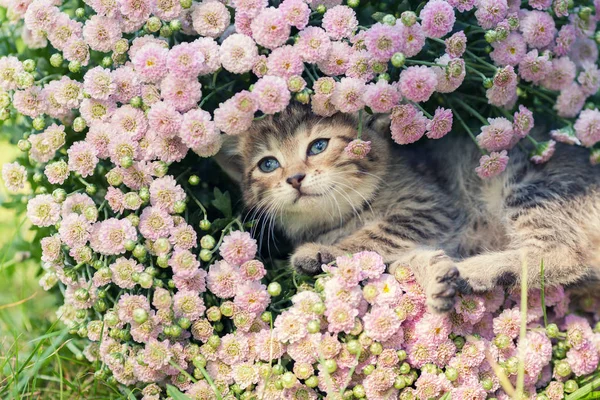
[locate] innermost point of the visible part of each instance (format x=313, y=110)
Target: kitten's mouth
x=300, y=194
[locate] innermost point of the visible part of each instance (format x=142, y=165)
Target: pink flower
x=437, y=18
x=109, y=236
x=522, y=122
x=270, y=29
x=129, y=121
x=340, y=317
x=534, y=67
x=210, y=18
x=285, y=61
x=433, y=328
x=357, y=149
x=508, y=323
x=290, y=326
x=10, y=68
x=347, y=95
x=252, y=296
x=337, y=61
x=509, y=51
x=441, y=123
x=410, y=130
x=211, y=52
x=222, y=279
x=462, y=5
x=491, y=12
x=492, y=165
x=197, y=130
x=127, y=84
x=164, y=120
x=74, y=230
x=456, y=44
x=238, y=247
x=29, y=102
x=587, y=127
x=155, y=223
x=98, y=83
x=381, y=323
x=321, y=105
x=340, y=22
x=497, y=135
x=250, y=7
x=584, y=360
x=63, y=31
x=42, y=211
x=543, y=152
x=188, y=304
x=538, y=29
x=450, y=77
x=122, y=270
x=370, y=263
x=412, y=39
x=185, y=61
x=56, y=172
x=151, y=62
x=238, y=53
x=14, y=176
x=182, y=94
x=272, y=94
x=77, y=50
x=589, y=79
x=295, y=12
x=583, y=52
x=82, y=158
x=167, y=10
x=431, y=385
x=565, y=39
x=418, y=83
x=313, y=44
x=101, y=33
x=381, y=96
x=231, y=120
x=382, y=41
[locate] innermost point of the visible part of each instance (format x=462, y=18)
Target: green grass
x=38, y=359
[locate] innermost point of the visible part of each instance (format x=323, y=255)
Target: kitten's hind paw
x=442, y=289
x=309, y=258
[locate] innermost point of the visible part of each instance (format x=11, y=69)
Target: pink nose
x=295, y=180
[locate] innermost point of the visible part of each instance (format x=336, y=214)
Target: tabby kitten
x=419, y=205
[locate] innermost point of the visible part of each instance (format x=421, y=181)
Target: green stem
x=532, y=140
x=189, y=192
x=543, y=292
x=214, y=92
x=351, y=372
x=310, y=75
x=469, y=132
x=422, y=109
x=471, y=110
x=431, y=64
x=210, y=382
x=482, y=76
x=523, y=330
x=224, y=232
x=360, y=124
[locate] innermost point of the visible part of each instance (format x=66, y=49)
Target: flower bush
x=118, y=107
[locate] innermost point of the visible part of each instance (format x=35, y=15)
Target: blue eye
x=318, y=146
x=268, y=164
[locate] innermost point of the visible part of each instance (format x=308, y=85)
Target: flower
x=43, y=211
x=155, y=222
x=101, y=33
x=188, y=304
x=543, y=152
x=313, y=44
x=272, y=94
x=437, y=18
x=381, y=323
x=238, y=53
x=409, y=129
x=357, y=149
x=222, y=279
x=285, y=61
x=347, y=95
x=340, y=22
x=456, y=44
x=150, y=62
x=381, y=96
x=497, y=135
x=295, y=12
x=210, y=18
x=122, y=270
x=441, y=123
x=237, y=248
x=538, y=29
x=165, y=192
x=417, y=83
x=509, y=51
x=491, y=12
x=382, y=41
x=269, y=28
x=534, y=67
x=492, y=165
x=587, y=127
x=14, y=176
x=82, y=158
x=522, y=122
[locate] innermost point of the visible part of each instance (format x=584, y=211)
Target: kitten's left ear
x=229, y=158
x=380, y=123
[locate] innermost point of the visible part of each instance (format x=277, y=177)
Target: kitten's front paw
x=309, y=258
x=443, y=286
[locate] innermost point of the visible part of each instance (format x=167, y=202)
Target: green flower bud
x=376, y=348
x=140, y=315
x=552, y=331
x=38, y=177
x=91, y=189
x=402, y=355
x=321, y=9
x=266, y=317
x=135, y=102
x=389, y=19
x=79, y=124
x=208, y=242
x=274, y=289
x=4, y=114
x=205, y=225
x=163, y=260
x=106, y=62
x=59, y=195
x=194, y=180
x=398, y=60
x=134, y=219
x=74, y=66
x=29, y=65
x=318, y=308
x=184, y=323
x=227, y=308
x=175, y=25
x=38, y=123
x=213, y=314
x=451, y=374
x=354, y=347
x=56, y=60
x=185, y=3
x=121, y=46
x=162, y=245
x=4, y=100
x=205, y=255
x=571, y=386
x=563, y=368
x=25, y=80
x=153, y=24
x=353, y=3
x=278, y=369
x=585, y=13
x=404, y=368
x=408, y=18
x=80, y=12
x=288, y=380
x=146, y=280
x=399, y=382
x=144, y=194
x=82, y=294
x=24, y=145
x=359, y=391
x=330, y=365
x=314, y=326
x=302, y=97
x=491, y=36
x=165, y=31
x=199, y=361
x=368, y=370
x=488, y=83
x=487, y=384
x=502, y=341
x=312, y=382
x=139, y=251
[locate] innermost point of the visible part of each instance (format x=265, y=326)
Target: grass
x=37, y=360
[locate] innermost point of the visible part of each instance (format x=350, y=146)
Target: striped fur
x=421, y=206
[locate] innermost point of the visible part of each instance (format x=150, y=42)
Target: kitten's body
x=424, y=206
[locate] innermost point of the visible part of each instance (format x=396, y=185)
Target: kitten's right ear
x=229, y=158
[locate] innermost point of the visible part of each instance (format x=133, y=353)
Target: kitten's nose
x=295, y=180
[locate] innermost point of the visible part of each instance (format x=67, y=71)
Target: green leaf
x=176, y=394
x=218, y=224
x=378, y=16
x=222, y=202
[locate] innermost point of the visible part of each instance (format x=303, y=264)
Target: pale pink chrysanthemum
x=450, y=77
x=347, y=271
x=101, y=33
x=508, y=323
x=245, y=374
x=583, y=52
x=210, y=18
x=403, y=114
x=564, y=40
x=222, y=279
x=183, y=263
x=155, y=223
x=195, y=282
x=40, y=15
x=360, y=66
x=98, y=83
x=231, y=120
x=139, y=42
x=295, y=12
x=197, y=129
x=456, y=44
x=382, y=41
x=99, y=136
x=166, y=149
x=167, y=10
x=418, y=83
x=589, y=79
x=108, y=237
x=290, y=326
x=53, y=108
x=210, y=50
x=440, y=124
x=242, y=23
x=570, y=101
x=381, y=323
x=543, y=152
x=122, y=270
x=433, y=328
x=95, y=111
x=497, y=135
x=182, y=94
x=347, y=95
x=313, y=44
x=238, y=53
x=183, y=237
x=272, y=94
x=82, y=158
x=234, y=348
x=509, y=51
x=163, y=119
x=337, y=60
x=252, y=296
x=584, y=360
x=491, y=12
x=371, y=264
x=381, y=96
x=114, y=198
x=51, y=248
x=76, y=203
x=249, y=7
x=77, y=49
x=561, y=75
x=188, y=304
x=135, y=9
x=430, y=385
x=10, y=68
x=357, y=149
x=157, y=354
x=14, y=176
x=378, y=384
x=165, y=192
x=122, y=146
x=268, y=347
x=504, y=90
x=45, y=144
x=492, y=165
x=285, y=61
x=534, y=67
x=411, y=130
x=437, y=18
x=587, y=127
x=538, y=29
x=252, y=270
x=522, y=121
x=64, y=30
x=270, y=29
x=321, y=105
x=74, y=230
x=43, y=211
x=305, y=350
x=127, y=84
x=340, y=22
x=184, y=61
x=238, y=247
x=29, y=102
x=150, y=62
x=129, y=121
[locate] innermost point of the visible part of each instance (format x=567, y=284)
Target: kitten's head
x=292, y=167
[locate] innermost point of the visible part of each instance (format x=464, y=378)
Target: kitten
x=421, y=206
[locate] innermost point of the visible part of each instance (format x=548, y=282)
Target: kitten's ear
x=380, y=123
x=230, y=159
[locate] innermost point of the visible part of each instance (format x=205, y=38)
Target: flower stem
x=462, y=122
x=360, y=124
x=431, y=64
x=214, y=92
x=422, y=109
x=472, y=111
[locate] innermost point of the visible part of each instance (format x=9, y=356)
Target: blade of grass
x=523, y=330
x=543, y=292
x=584, y=390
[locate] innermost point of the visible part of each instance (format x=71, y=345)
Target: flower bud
x=74, y=66
x=398, y=60
x=140, y=315
x=408, y=18
x=56, y=60
x=29, y=65
x=59, y=195
x=208, y=242
x=80, y=12
x=79, y=124
x=185, y=3
x=153, y=24
x=205, y=255
x=274, y=289
x=314, y=326
x=312, y=382
x=389, y=19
